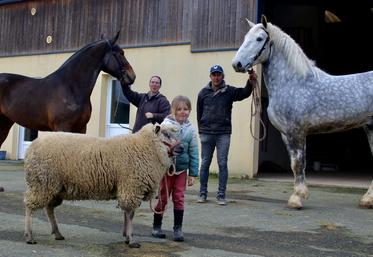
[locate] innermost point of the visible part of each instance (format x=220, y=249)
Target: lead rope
x=160, y=198
x=256, y=107
x=168, y=174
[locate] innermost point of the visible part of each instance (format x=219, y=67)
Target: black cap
x=216, y=68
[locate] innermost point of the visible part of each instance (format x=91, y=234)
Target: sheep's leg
x=128, y=217
x=28, y=225
x=297, y=152
x=367, y=199
x=52, y=219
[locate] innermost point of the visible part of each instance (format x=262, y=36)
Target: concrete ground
x=255, y=222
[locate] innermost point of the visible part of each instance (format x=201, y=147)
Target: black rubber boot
x=178, y=223
x=157, y=226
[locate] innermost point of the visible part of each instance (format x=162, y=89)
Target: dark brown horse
x=61, y=100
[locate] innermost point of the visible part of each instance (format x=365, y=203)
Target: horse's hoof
x=294, y=206
x=1, y=189
x=31, y=242
x=366, y=205
x=295, y=202
x=134, y=245
x=59, y=238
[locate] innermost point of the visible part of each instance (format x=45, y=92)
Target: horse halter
x=122, y=70
x=263, y=47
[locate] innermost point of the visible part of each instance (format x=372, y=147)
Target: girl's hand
x=191, y=181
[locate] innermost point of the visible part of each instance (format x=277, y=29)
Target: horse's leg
x=5, y=125
x=367, y=200
x=297, y=151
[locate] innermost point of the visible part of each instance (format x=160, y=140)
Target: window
x=120, y=106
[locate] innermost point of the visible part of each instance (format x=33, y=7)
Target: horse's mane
x=294, y=54
x=79, y=52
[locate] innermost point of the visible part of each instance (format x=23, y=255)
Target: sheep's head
x=167, y=132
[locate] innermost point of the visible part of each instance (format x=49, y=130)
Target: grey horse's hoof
x=59, y=238
x=295, y=202
x=366, y=206
x=294, y=206
x=31, y=242
x=1, y=189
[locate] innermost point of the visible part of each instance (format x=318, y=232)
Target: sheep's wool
x=71, y=166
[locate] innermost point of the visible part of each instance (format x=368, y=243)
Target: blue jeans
x=208, y=144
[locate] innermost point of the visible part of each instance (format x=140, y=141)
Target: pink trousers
x=175, y=186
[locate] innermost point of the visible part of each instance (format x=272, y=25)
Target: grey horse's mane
x=294, y=54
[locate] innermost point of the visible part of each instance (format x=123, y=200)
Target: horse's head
x=116, y=64
x=255, y=49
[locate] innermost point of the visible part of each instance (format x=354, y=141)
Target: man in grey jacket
x=214, y=112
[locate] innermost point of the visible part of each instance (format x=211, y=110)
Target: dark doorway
x=336, y=35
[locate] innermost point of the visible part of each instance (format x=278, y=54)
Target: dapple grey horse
x=303, y=99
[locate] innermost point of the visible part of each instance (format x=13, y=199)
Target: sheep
x=65, y=166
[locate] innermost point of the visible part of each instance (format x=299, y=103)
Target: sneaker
x=221, y=201
x=202, y=198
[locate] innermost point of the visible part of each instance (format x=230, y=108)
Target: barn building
x=180, y=40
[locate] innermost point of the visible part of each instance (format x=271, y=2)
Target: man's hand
x=149, y=115
x=252, y=76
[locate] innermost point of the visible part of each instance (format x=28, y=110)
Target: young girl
x=187, y=161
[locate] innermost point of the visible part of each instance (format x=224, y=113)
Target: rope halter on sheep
x=171, y=154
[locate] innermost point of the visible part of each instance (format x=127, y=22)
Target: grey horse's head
x=255, y=49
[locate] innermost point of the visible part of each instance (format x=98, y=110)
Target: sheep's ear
x=157, y=128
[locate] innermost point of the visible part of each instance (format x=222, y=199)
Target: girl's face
x=182, y=112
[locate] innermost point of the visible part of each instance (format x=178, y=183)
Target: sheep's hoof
x=134, y=245
x=31, y=242
x=29, y=238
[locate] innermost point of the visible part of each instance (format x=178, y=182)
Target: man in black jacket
x=214, y=112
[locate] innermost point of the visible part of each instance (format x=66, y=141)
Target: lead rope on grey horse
x=256, y=107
